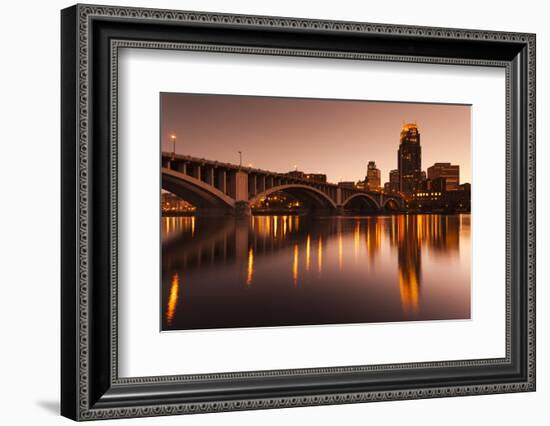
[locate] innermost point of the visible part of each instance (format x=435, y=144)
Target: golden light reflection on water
x=410, y=234
x=373, y=238
x=174, y=226
x=356, y=239
x=409, y=288
x=295, y=266
x=394, y=248
x=308, y=250
x=250, y=271
x=320, y=256
x=173, y=298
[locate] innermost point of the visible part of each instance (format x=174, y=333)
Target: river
x=229, y=272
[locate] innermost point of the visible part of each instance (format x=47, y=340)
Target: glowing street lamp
x=173, y=139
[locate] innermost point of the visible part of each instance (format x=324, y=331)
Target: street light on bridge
x=173, y=139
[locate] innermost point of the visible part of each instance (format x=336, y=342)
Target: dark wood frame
x=90, y=386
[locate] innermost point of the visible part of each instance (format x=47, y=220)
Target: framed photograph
x=263, y=212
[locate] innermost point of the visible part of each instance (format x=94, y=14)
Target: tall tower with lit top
x=409, y=159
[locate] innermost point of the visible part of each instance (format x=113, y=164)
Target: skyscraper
x=373, y=177
x=450, y=172
x=409, y=160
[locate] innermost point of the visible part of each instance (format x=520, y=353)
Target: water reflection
x=320, y=255
x=173, y=298
x=250, y=267
x=308, y=252
x=295, y=266
x=408, y=249
x=257, y=271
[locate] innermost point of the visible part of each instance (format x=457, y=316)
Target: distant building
x=361, y=184
x=172, y=204
x=438, y=184
x=372, y=179
x=387, y=187
x=347, y=184
x=465, y=187
x=409, y=159
x=394, y=181
x=423, y=176
x=276, y=201
x=459, y=200
x=450, y=172
x=434, y=197
x=316, y=177
x=296, y=174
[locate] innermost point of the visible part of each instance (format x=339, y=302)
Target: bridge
x=215, y=187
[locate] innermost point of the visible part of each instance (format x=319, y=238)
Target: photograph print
x=282, y=211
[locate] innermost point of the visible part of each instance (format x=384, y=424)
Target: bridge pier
x=241, y=238
x=242, y=209
x=241, y=186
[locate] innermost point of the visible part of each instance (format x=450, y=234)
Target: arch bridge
x=217, y=187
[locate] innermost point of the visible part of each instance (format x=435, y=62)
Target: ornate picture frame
x=91, y=37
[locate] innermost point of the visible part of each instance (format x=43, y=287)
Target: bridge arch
x=392, y=204
x=361, y=198
x=314, y=196
x=195, y=191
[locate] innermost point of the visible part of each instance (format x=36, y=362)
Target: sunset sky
x=334, y=137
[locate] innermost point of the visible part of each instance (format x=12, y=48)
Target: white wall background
x=29, y=241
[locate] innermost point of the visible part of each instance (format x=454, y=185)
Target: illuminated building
x=450, y=172
x=394, y=181
x=437, y=184
x=296, y=174
x=373, y=177
x=277, y=201
x=409, y=160
x=459, y=200
x=427, y=197
x=172, y=204
x=316, y=177
x=347, y=184
x=433, y=196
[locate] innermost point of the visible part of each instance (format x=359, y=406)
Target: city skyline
x=219, y=126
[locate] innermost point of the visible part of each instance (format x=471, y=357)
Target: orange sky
x=334, y=137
